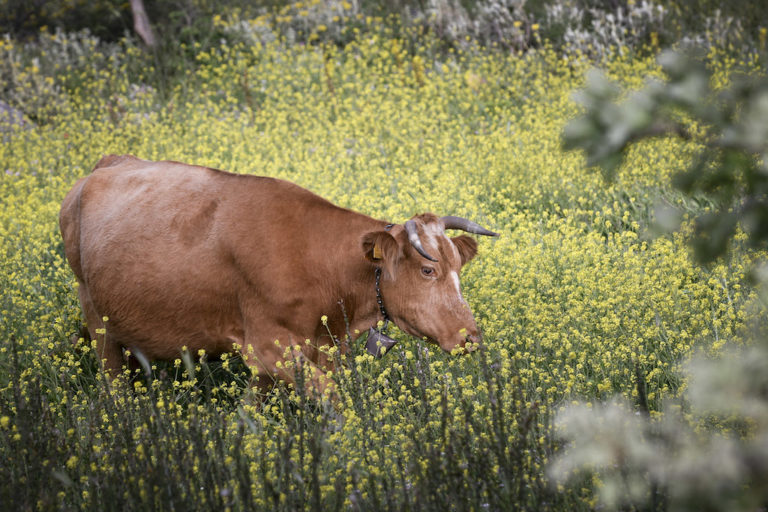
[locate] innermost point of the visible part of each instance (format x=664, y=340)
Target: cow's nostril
x=474, y=340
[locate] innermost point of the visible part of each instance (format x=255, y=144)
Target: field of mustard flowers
x=575, y=298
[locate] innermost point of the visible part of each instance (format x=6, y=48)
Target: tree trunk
x=141, y=23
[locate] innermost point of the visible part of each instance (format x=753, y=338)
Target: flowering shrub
x=573, y=298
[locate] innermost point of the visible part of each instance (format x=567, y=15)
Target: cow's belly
x=160, y=317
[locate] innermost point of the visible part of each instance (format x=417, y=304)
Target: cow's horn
x=451, y=222
x=413, y=238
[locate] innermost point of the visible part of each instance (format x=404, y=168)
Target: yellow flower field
x=572, y=298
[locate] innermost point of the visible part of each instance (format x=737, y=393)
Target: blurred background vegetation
x=57, y=35
x=491, y=22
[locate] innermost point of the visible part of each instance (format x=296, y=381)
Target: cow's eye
x=428, y=271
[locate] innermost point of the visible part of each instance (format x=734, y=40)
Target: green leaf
x=579, y=132
x=713, y=231
x=666, y=218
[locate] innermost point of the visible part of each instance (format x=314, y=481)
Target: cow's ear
x=380, y=248
x=467, y=247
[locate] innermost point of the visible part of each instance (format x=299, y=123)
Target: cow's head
x=420, y=277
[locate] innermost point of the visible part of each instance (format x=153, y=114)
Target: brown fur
x=179, y=255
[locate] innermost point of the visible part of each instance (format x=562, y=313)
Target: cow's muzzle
x=473, y=342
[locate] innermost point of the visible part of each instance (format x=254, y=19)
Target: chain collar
x=378, y=296
x=377, y=339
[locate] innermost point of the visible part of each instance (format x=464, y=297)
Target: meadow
x=576, y=298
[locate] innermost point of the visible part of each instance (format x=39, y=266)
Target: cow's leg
x=272, y=361
x=110, y=354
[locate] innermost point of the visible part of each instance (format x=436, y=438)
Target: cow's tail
x=69, y=224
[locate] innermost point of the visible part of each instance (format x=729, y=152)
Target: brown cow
x=179, y=255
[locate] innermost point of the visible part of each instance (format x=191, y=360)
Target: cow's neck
x=377, y=340
x=367, y=312
x=377, y=277
x=362, y=293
